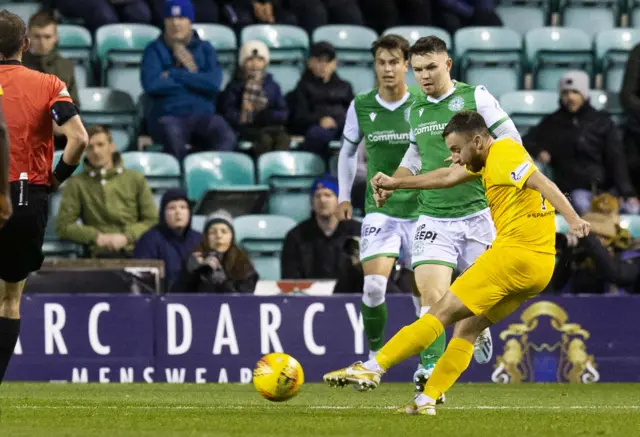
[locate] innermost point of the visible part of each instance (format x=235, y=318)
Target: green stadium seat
x=112, y=108
x=490, y=56
x=197, y=222
x=161, y=170
x=631, y=223
x=591, y=16
x=413, y=33
x=119, y=49
x=224, y=40
x=289, y=176
x=562, y=227
x=610, y=102
x=552, y=51
x=352, y=43
x=208, y=170
x=53, y=246
x=361, y=77
x=612, y=49
x=285, y=42
x=75, y=43
x=262, y=236
x=523, y=17
x=23, y=10
x=527, y=108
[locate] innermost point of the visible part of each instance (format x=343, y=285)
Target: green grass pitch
x=540, y=410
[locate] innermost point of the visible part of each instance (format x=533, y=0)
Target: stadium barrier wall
x=209, y=338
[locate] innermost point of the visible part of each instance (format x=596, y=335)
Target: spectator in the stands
x=253, y=102
x=583, y=147
x=43, y=56
x=320, y=100
x=114, y=204
x=241, y=13
x=606, y=260
x=217, y=264
x=181, y=76
x=630, y=101
x=311, y=14
x=315, y=249
x=172, y=240
x=383, y=14
x=96, y=13
x=456, y=14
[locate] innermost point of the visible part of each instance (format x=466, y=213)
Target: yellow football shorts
x=501, y=279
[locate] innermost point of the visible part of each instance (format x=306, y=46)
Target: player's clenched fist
x=580, y=228
x=6, y=209
x=383, y=182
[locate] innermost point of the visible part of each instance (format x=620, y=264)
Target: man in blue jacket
x=172, y=240
x=181, y=76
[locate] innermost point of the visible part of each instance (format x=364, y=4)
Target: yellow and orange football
x=278, y=377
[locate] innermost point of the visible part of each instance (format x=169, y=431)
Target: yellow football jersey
x=1, y=91
x=523, y=217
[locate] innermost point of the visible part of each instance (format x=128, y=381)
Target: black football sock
x=9, y=331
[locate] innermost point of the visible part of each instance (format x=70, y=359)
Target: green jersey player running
x=378, y=118
x=455, y=225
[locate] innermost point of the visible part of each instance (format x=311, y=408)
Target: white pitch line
x=317, y=407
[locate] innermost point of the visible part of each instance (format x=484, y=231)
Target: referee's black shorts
x=22, y=237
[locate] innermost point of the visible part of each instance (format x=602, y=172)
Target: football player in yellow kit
x=517, y=267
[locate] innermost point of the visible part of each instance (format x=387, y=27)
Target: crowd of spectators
x=110, y=210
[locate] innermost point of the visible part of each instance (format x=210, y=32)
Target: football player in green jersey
x=377, y=117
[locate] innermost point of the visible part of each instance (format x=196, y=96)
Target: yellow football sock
x=410, y=341
x=455, y=360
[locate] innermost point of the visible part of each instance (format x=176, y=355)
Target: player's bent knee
x=375, y=287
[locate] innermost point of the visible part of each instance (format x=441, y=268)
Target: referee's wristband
x=63, y=170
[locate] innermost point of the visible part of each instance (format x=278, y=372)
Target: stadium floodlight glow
x=486, y=36
x=626, y=36
x=127, y=33
x=415, y=35
x=343, y=34
x=528, y=99
x=555, y=35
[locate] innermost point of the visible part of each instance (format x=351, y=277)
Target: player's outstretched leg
x=455, y=360
x=409, y=341
x=10, y=293
x=433, y=281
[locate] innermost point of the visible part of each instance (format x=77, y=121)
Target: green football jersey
x=428, y=118
x=385, y=131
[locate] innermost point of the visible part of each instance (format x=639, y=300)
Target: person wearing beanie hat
x=315, y=249
x=181, y=79
x=582, y=147
x=217, y=264
x=320, y=101
x=253, y=102
x=172, y=239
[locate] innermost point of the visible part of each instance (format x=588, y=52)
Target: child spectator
x=253, y=103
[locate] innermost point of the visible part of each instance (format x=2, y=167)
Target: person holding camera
x=217, y=264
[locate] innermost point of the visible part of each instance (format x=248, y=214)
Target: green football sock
x=430, y=356
x=374, y=320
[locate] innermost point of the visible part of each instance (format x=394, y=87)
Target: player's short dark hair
x=391, y=42
x=427, y=45
x=96, y=130
x=12, y=33
x=42, y=19
x=466, y=122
